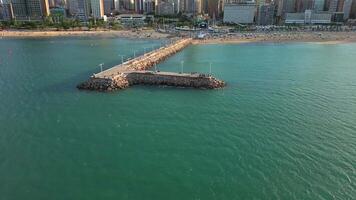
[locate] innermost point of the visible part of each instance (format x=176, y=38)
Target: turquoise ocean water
x=283, y=128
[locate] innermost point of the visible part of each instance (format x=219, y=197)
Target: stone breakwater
x=194, y=80
x=105, y=84
x=134, y=72
x=127, y=79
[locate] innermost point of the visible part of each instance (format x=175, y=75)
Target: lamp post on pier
x=182, y=65
x=122, y=58
x=101, y=66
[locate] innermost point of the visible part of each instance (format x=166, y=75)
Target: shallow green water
x=283, y=128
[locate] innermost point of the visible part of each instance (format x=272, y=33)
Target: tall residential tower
x=28, y=9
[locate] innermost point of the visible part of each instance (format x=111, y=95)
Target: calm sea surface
x=283, y=128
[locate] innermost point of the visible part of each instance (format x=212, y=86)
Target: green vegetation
x=63, y=24
x=177, y=20
x=60, y=23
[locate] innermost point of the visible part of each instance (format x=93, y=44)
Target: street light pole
x=122, y=58
x=182, y=63
x=101, y=66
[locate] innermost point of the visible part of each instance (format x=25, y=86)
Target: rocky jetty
x=174, y=79
x=105, y=84
x=127, y=79
x=134, y=72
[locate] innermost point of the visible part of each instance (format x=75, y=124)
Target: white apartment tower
x=97, y=8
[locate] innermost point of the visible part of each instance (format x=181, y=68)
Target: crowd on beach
x=279, y=37
x=147, y=33
x=212, y=37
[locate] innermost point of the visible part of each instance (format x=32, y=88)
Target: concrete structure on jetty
x=134, y=72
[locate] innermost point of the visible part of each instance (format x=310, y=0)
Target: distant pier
x=135, y=72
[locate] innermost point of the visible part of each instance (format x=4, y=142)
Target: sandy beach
x=314, y=37
x=104, y=33
x=232, y=38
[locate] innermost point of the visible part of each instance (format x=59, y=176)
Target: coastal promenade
x=135, y=72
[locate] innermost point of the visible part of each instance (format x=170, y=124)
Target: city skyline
x=85, y=9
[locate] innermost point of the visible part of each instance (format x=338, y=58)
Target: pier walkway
x=147, y=60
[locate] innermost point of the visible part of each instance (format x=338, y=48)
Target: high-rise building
x=45, y=8
x=117, y=5
x=138, y=6
x=184, y=6
x=97, y=8
x=80, y=9
x=333, y=5
x=239, y=13
x=72, y=7
x=319, y=5
x=6, y=11
x=149, y=6
x=204, y=6
x=57, y=3
x=303, y=5
x=353, y=10
x=326, y=5
x=122, y=5
x=289, y=5
x=213, y=8
x=34, y=8
x=157, y=3
x=266, y=14
x=198, y=8
x=189, y=6
x=347, y=9
x=283, y=7
x=176, y=5
x=279, y=7
x=108, y=6
x=308, y=17
x=51, y=3
x=341, y=7
x=297, y=6
x=28, y=9
x=19, y=9
x=2, y=5
x=165, y=8
x=131, y=5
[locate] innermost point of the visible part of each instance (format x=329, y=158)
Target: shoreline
x=283, y=37
x=142, y=34
x=241, y=41
x=235, y=38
